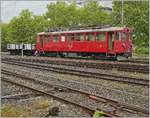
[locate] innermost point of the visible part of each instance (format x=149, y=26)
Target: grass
x=43, y=104
x=135, y=55
x=34, y=109
x=11, y=111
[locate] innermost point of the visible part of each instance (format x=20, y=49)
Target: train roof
x=84, y=30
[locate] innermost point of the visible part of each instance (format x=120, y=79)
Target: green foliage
x=61, y=14
x=20, y=28
x=25, y=27
x=93, y=14
x=142, y=50
x=64, y=15
x=4, y=38
x=98, y=114
x=136, y=16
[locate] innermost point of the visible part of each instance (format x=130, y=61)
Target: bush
x=3, y=47
x=142, y=50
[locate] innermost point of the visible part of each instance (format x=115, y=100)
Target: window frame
x=130, y=35
x=120, y=36
x=54, y=38
x=69, y=40
x=63, y=35
x=79, y=39
x=123, y=38
x=87, y=34
x=46, y=37
x=98, y=33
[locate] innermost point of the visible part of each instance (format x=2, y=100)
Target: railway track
x=136, y=61
x=117, y=109
x=120, y=66
x=83, y=73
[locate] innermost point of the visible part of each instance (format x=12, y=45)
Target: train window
x=123, y=36
x=118, y=35
x=101, y=37
x=47, y=37
x=70, y=37
x=90, y=37
x=55, y=38
x=79, y=37
x=62, y=38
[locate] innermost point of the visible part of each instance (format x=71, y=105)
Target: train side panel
x=116, y=42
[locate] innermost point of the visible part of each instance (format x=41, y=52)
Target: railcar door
x=41, y=41
x=111, y=41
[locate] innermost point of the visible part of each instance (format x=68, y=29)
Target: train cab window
x=79, y=37
x=55, y=38
x=100, y=36
x=42, y=37
x=70, y=37
x=123, y=36
x=130, y=36
x=47, y=37
x=118, y=35
x=90, y=36
x=127, y=36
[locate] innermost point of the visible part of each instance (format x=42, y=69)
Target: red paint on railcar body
x=114, y=41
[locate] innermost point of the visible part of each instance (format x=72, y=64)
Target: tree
x=66, y=15
x=93, y=14
x=136, y=16
x=20, y=28
x=4, y=38
x=62, y=14
x=24, y=28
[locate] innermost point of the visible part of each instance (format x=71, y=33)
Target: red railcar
x=102, y=42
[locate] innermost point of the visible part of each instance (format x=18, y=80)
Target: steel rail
x=135, y=61
x=58, y=98
x=100, y=65
x=123, y=79
x=93, y=96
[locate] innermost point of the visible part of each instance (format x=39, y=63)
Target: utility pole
x=122, y=14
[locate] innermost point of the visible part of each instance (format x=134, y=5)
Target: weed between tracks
x=35, y=108
x=39, y=107
x=43, y=104
x=12, y=111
